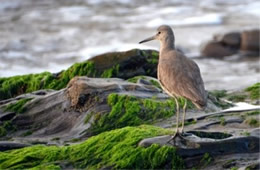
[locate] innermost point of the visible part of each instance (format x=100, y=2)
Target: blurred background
x=51, y=35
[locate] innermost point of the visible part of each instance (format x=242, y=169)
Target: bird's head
x=163, y=32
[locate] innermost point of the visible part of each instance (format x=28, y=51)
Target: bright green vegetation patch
x=156, y=84
x=154, y=58
x=17, y=107
x=13, y=86
x=112, y=72
x=254, y=91
x=132, y=111
x=118, y=149
x=135, y=79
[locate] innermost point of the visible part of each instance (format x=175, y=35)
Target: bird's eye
x=159, y=32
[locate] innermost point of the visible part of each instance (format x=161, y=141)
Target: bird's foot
x=173, y=138
x=177, y=134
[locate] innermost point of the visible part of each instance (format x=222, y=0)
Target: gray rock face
x=61, y=115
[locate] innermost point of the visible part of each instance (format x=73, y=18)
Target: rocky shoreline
x=108, y=112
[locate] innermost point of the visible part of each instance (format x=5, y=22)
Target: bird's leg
x=184, y=114
x=177, y=120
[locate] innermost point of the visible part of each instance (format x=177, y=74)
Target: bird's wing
x=180, y=76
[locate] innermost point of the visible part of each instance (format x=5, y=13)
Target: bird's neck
x=167, y=43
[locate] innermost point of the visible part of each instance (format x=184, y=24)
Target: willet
x=178, y=75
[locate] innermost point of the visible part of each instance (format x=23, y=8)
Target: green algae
x=255, y=112
x=153, y=59
x=219, y=93
x=117, y=149
x=16, y=85
x=206, y=159
x=6, y=127
x=132, y=111
x=156, y=84
x=254, y=91
x=135, y=79
x=153, y=82
x=237, y=97
x=3, y=131
x=17, y=107
x=112, y=72
x=253, y=122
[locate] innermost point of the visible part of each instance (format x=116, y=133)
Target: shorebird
x=178, y=75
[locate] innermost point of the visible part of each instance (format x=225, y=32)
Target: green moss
x=88, y=117
x=206, y=159
x=237, y=97
x=132, y=111
x=156, y=84
x=246, y=133
x=118, y=149
x=256, y=112
x=9, y=126
x=3, y=131
x=234, y=168
x=17, y=107
x=46, y=167
x=153, y=59
x=135, y=79
x=222, y=121
x=219, y=93
x=16, y=85
x=254, y=91
x=112, y=72
x=253, y=122
x=27, y=133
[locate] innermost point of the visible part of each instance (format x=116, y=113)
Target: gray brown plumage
x=179, y=76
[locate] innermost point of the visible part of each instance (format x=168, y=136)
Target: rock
x=7, y=116
x=250, y=40
x=85, y=106
x=231, y=39
x=161, y=140
x=193, y=145
x=4, y=145
x=90, y=106
x=217, y=49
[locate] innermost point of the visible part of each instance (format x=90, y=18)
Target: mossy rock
x=117, y=64
x=117, y=149
x=132, y=111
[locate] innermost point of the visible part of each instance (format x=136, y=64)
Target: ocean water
x=51, y=35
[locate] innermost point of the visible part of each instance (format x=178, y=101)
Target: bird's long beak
x=147, y=39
